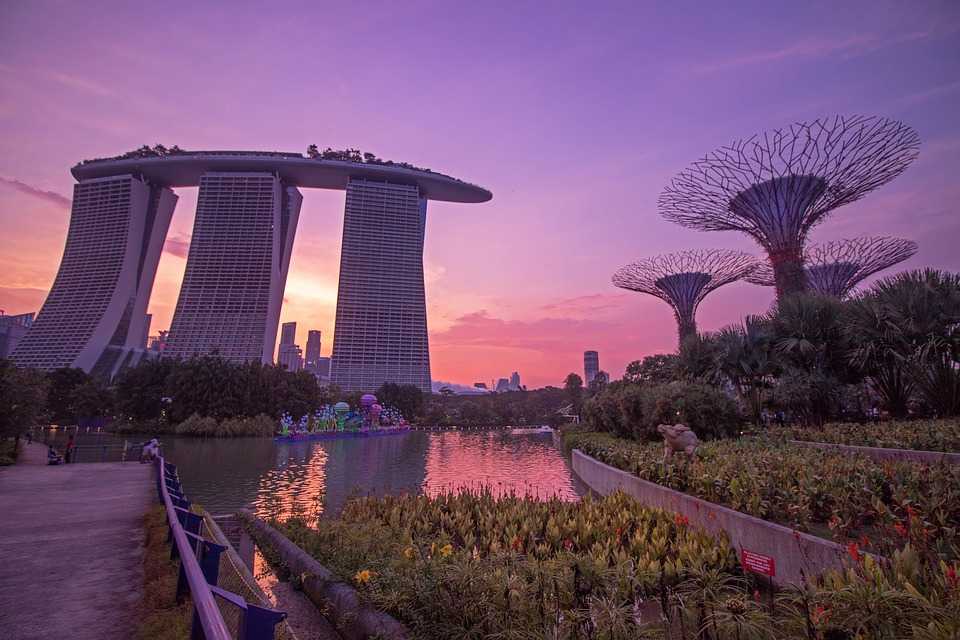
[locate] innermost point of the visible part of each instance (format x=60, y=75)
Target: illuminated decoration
x=684, y=279
x=776, y=186
x=338, y=420
x=835, y=268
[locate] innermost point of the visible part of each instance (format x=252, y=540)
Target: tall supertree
x=683, y=279
x=835, y=268
x=776, y=186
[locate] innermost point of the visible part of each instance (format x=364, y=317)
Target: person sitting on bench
x=53, y=457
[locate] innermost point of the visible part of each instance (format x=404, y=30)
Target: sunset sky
x=575, y=115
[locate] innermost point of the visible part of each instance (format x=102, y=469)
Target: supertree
x=776, y=186
x=684, y=279
x=835, y=268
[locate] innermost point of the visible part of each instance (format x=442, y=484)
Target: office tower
x=232, y=289
x=288, y=333
x=312, y=354
x=322, y=368
x=515, y=381
x=290, y=357
x=591, y=366
x=158, y=343
x=12, y=330
x=502, y=385
x=94, y=316
x=381, y=322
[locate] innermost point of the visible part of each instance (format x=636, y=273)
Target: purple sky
x=574, y=115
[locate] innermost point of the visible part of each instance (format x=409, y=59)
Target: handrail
x=205, y=607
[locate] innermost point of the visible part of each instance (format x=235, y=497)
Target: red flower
x=756, y=596
x=951, y=574
x=854, y=550
x=568, y=544
x=864, y=541
x=820, y=615
x=681, y=521
x=517, y=544
x=901, y=530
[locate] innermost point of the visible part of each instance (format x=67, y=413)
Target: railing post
x=258, y=623
x=210, y=560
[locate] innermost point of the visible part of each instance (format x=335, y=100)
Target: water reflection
x=318, y=477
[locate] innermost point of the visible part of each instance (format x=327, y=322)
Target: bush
x=635, y=411
x=196, y=425
x=924, y=435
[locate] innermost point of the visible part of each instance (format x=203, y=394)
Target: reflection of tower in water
x=296, y=485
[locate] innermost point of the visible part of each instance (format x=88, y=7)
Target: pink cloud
x=52, y=197
x=177, y=245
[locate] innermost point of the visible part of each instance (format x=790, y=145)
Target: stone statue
x=678, y=437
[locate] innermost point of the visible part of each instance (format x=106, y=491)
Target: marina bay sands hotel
x=95, y=316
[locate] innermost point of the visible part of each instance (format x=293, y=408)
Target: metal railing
x=200, y=568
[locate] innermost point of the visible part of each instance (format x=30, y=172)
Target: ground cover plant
x=469, y=565
x=925, y=435
x=879, y=506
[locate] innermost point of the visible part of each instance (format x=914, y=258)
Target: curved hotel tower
x=247, y=211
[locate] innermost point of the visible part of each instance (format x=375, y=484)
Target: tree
x=140, y=390
x=23, y=397
x=406, y=398
x=62, y=383
x=312, y=151
x=656, y=369
x=573, y=386
x=90, y=400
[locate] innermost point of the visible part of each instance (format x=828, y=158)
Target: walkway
x=71, y=545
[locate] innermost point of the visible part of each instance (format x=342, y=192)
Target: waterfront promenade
x=71, y=547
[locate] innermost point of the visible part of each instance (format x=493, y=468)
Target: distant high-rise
x=312, y=354
x=237, y=267
x=515, y=381
x=288, y=333
x=12, y=330
x=380, y=333
x=591, y=366
x=502, y=385
x=95, y=313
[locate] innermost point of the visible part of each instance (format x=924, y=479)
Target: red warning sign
x=758, y=563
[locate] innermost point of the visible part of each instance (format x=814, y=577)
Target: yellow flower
x=408, y=553
x=446, y=550
x=363, y=576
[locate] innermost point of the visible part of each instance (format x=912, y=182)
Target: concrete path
x=71, y=549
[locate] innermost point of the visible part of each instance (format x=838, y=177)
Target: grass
x=161, y=618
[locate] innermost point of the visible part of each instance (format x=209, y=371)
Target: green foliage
x=810, y=398
x=407, y=398
x=204, y=426
x=925, y=435
x=826, y=493
x=159, y=616
x=62, y=383
x=656, y=369
x=635, y=411
x=140, y=390
x=23, y=398
x=541, y=406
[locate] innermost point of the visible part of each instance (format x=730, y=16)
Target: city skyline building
x=312, y=352
x=95, y=314
x=591, y=366
x=12, y=330
x=380, y=332
x=515, y=381
x=237, y=266
x=248, y=206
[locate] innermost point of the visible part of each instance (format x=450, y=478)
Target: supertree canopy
x=684, y=279
x=835, y=268
x=777, y=186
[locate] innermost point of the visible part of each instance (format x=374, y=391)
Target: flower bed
x=879, y=506
x=471, y=566
x=923, y=435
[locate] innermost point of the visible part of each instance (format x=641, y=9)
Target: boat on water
x=333, y=435
x=522, y=430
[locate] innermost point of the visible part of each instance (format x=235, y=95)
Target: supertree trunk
x=686, y=327
x=789, y=276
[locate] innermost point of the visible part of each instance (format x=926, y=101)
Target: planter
x=883, y=454
x=335, y=599
x=783, y=554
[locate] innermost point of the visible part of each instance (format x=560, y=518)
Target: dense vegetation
x=895, y=348
x=925, y=435
x=470, y=566
x=852, y=498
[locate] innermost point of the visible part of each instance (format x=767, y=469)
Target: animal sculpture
x=678, y=438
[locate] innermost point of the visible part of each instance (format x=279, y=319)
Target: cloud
x=592, y=303
x=177, y=245
x=48, y=196
x=15, y=300
x=81, y=84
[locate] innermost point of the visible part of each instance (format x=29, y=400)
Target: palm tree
x=747, y=359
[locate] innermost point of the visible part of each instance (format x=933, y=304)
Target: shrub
x=703, y=408
x=195, y=425
x=925, y=435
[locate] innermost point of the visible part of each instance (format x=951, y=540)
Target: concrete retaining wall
x=794, y=554
x=882, y=454
x=335, y=599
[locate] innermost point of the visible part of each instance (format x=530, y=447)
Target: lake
x=316, y=477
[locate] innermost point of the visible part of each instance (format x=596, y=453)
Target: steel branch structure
x=683, y=279
x=776, y=186
x=835, y=268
